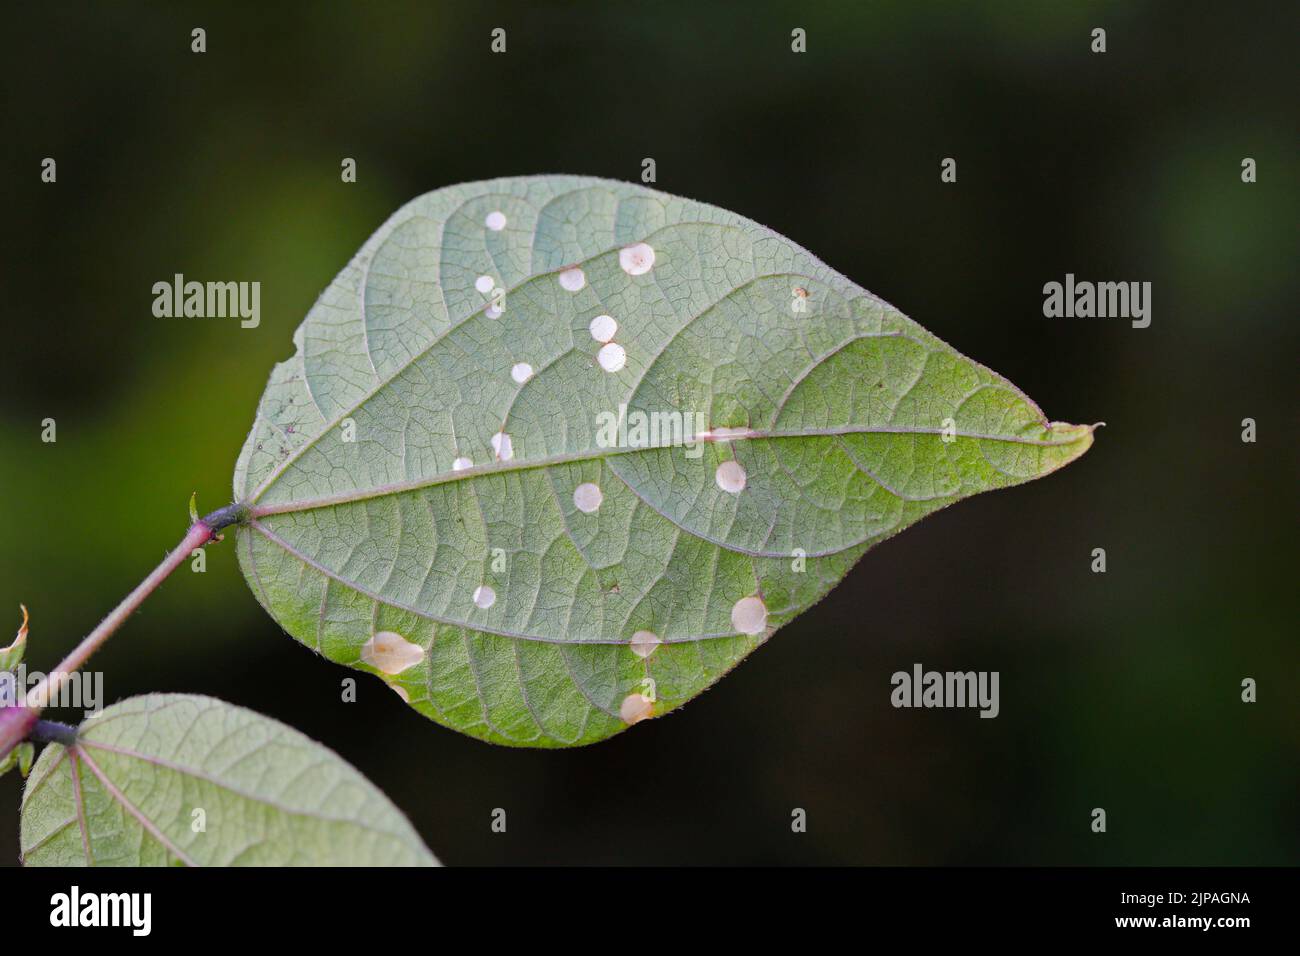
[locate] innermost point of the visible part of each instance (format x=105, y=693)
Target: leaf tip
x=12, y=655
x=1072, y=441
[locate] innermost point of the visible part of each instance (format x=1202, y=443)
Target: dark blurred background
x=1119, y=690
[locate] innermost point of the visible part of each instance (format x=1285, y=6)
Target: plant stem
x=19, y=721
x=15, y=724
x=40, y=695
x=51, y=731
x=200, y=533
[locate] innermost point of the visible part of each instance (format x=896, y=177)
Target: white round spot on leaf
x=635, y=707
x=644, y=643
x=484, y=596
x=401, y=692
x=571, y=280
x=611, y=357
x=587, y=497
x=391, y=653
x=749, y=615
x=485, y=284
x=603, y=328
x=460, y=464
x=502, y=446
x=636, y=260
x=492, y=312
x=730, y=477
x=496, y=220
x=521, y=372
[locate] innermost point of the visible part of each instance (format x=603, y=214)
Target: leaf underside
x=386, y=500
x=183, y=780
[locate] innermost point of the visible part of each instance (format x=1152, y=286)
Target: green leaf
x=433, y=494
x=178, y=779
x=12, y=656
x=20, y=757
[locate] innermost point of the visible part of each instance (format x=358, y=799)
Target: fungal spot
x=749, y=615
x=635, y=707
x=644, y=643
x=391, y=653
x=484, y=596
x=636, y=260
x=502, y=446
x=801, y=292
x=611, y=357
x=496, y=220
x=587, y=497
x=603, y=328
x=460, y=464
x=492, y=312
x=521, y=372
x=730, y=477
x=571, y=280
x=484, y=284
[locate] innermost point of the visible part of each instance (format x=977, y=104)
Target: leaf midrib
x=498, y=468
